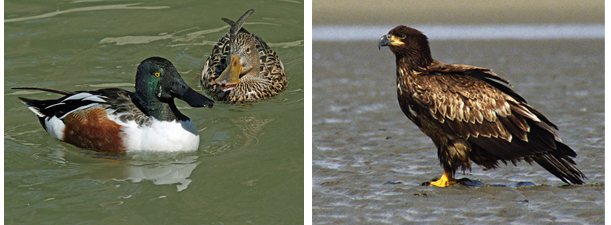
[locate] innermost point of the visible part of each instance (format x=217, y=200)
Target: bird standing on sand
x=471, y=114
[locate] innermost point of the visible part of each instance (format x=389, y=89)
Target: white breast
x=160, y=136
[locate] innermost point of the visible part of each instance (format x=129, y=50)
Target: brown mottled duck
x=242, y=67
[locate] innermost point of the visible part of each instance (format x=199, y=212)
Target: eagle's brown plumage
x=471, y=114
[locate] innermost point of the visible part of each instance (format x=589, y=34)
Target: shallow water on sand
x=249, y=165
x=466, y=32
x=369, y=159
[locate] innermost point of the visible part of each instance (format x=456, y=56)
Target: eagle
x=471, y=114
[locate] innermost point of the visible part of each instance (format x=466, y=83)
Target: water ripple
x=84, y=9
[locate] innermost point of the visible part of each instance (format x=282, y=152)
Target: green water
x=249, y=166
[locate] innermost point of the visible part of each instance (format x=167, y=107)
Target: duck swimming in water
x=116, y=121
x=242, y=67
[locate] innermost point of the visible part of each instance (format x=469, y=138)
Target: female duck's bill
x=231, y=75
x=115, y=120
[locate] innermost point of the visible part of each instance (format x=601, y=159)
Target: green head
x=157, y=80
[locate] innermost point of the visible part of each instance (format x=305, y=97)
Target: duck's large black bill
x=181, y=90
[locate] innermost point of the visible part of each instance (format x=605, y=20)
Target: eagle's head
x=407, y=43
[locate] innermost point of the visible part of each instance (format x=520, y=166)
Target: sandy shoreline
x=327, y=12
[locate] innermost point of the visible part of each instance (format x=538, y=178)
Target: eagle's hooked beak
x=384, y=41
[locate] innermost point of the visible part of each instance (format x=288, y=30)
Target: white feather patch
x=56, y=104
x=35, y=110
x=85, y=96
x=159, y=136
x=412, y=111
x=95, y=98
x=55, y=127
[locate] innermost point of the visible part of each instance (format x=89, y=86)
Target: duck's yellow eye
x=157, y=74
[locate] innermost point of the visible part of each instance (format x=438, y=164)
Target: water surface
x=466, y=32
x=249, y=165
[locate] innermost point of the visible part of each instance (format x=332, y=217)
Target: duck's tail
x=236, y=26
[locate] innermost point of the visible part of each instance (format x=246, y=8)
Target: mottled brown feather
x=270, y=81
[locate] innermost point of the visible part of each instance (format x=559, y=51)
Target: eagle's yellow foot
x=445, y=180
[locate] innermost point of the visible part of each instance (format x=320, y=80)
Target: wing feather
x=469, y=103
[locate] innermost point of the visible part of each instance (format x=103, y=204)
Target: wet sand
x=369, y=159
x=345, y=12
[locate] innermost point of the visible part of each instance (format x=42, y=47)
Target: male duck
x=242, y=67
x=115, y=120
